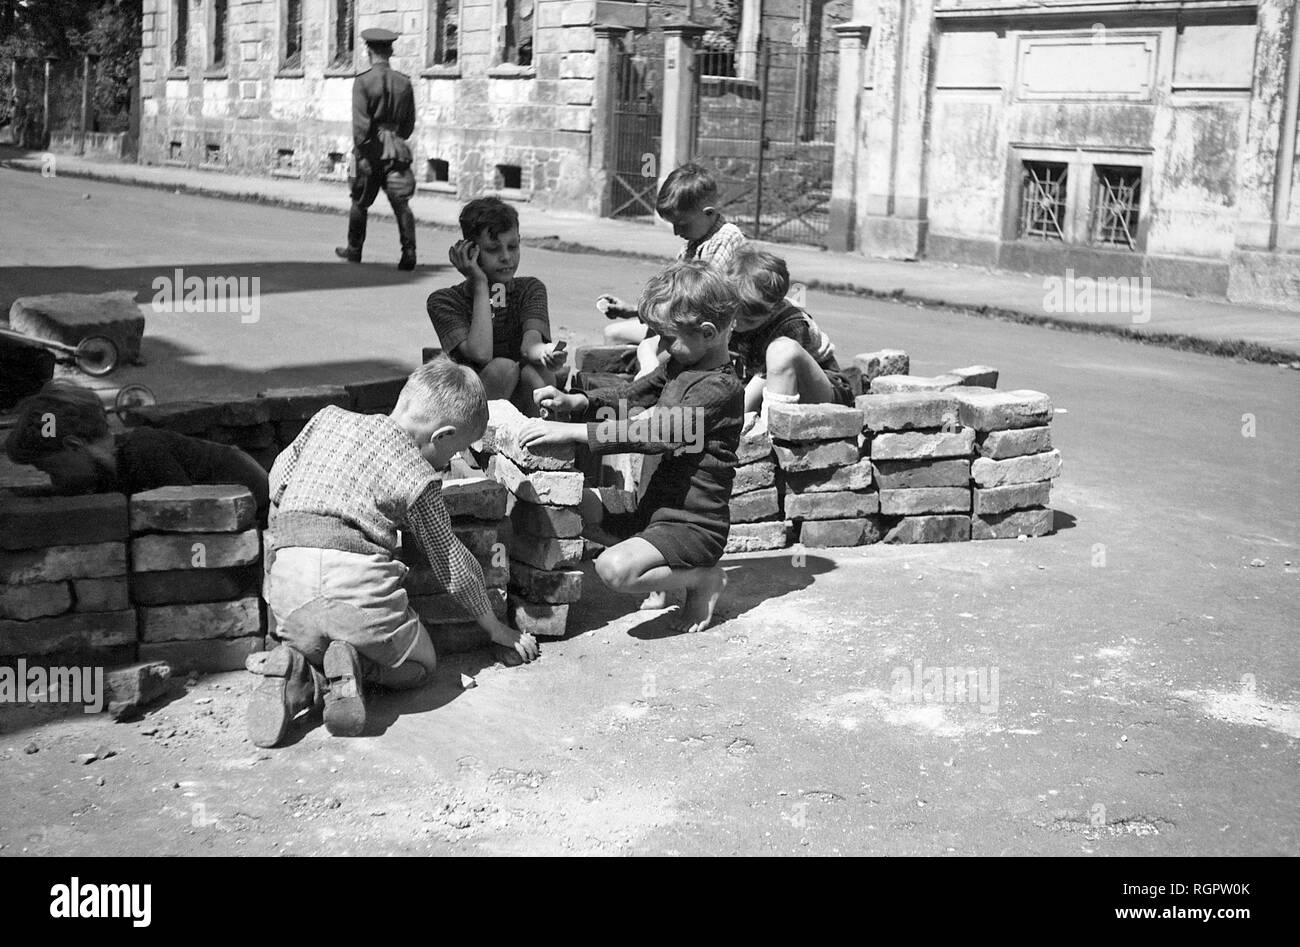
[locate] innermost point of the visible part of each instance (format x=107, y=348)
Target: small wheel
x=96, y=355
x=133, y=396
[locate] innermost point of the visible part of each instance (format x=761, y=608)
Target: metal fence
x=27, y=100
x=635, y=131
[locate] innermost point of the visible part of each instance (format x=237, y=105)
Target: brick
x=1013, y=524
x=909, y=411
x=930, y=529
x=977, y=376
x=831, y=506
x=187, y=586
x=813, y=422
x=206, y=657
x=621, y=471
x=197, y=509
x=300, y=404
x=542, y=486
x=856, y=476
x=495, y=577
x=71, y=317
x=546, y=553
x=908, y=474
x=55, y=563
x=925, y=500
x=755, y=505
x=885, y=362
x=556, y=586
x=100, y=595
x=890, y=384
x=754, y=446
x=75, y=632
x=999, y=445
x=987, y=410
x=616, y=359
x=131, y=689
x=755, y=476
x=796, y=458
x=247, y=437
x=754, y=537
x=918, y=445
x=191, y=622
x=36, y=522
x=1026, y=469
x=161, y=551
x=536, y=519
x=182, y=417
x=377, y=395
x=597, y=502
x=502, y=437
x=246, y=412
x=829, y=534
x=38, y=600
x=480, y=540
x=480, y=498
x=1014, y=496
x=539, y=618
x=441, y=608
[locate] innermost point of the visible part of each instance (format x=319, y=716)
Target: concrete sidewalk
x=1206, y=325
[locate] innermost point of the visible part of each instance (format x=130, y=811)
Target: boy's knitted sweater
x=351, y=481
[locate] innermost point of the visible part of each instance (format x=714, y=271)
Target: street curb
x=1221, y=348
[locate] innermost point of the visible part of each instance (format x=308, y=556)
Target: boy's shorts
x=683, y=545
x=323, y=595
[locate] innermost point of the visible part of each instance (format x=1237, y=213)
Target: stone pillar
x=853, y=41
x=608, y=42
x=680, y=41
x=1282, y=236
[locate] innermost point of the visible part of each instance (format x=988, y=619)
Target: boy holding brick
x=696, y=406
x=781, y=354
x=496, y=322
x=340, y=493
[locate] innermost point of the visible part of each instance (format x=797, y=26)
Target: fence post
x=85, y=103
x=680, y=40
x=765, y=62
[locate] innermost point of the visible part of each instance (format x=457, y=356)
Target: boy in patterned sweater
x=339, y=495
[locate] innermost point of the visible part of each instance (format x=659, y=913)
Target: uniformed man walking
x=383, y=116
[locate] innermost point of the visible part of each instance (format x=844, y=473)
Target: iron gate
x=635, y=131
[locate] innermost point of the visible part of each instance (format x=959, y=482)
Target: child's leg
x=635, y=565
x=500, y=378
x=629, y=331
x=416, y=670
x=792, y=371
x=531, y=377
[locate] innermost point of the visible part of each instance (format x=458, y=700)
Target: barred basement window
x=181, y=33
x=219, y=34
x=509, y=177
x=175, y=151
x=284, y=159
x=517, y=33
x=343, y=40
x=1042, y=200
x=439, y=171
x=212, y=155
x=1116, y=195
x=292, y=35
x=444, y=38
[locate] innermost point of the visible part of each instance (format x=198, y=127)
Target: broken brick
x=755, y=505
x=930, y=529
x=479, y=497
x=559, y=488
x=977, y=376
x=193, y=509
x=101, y=595
x=755, y=445
x=999, y=445
x=1014, y=496
x=925, y=500
x=1026, y=469
x=755, y=476
x=74, y=632
x=38, y=600
x=988, y=410
x=131, y=689
x=796, y=457
x=556, y=586
x=754, y=537
x=1012, y=524
x=855, y=476
x=885, y=362
x=907, y=474
x=831, y=534
x=908, y=411
x=890, y=384
x=502, y=437
x=919, y=445
x=538, y=618
x=56, y=563
x=544, y=553
x=538, y=519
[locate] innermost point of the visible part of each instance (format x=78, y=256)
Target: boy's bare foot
x=696, y=613
x=655, y=601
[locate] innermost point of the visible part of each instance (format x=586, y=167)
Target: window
x=291, y=54
x=717, y=56
x=343, y=40
x=817, y=67
x=1042, y=200
x=180, y=33
x=443, y=39
x=439, y=171
x=510, y=177
x=517, y=33
x=1116, y=196
x=220, y=16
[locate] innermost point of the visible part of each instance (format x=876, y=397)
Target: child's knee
x=615, y=568
x=783, y=354
x=500, y=377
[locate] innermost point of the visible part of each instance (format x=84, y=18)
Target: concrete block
x=908, y=474
x=885, y=362
x=925, y=500
x=1026, y=469
x=922, y=445
x=197, y=509
x=559, y=488
x=300, y=404
x=100, y=595
x=194, y=622
x=502, y=437
x=909, y=411
x=38, y=600
x=131, y=689
x=999, y=445
x=830, y=534
x=890, y=384
x=977, y=376
x=441, y=608
x=71, y=317
x=1013, y=524
x=1014, y=496
x=754, y=537
x=756, y=505
x=558, y=586
x=536, y=519
x=755, y=476
x=754, y=446
x=813, y=422
x=831, y=506
x=74, y=632
x=37, y=522
x=56, y=563
x=544, y=553
x=930, y=529
x=162, y=551
x=184, y=586
x=480, y=498
x=538, y=618
x=206, y=657
x=988, y=410
x=796, y=457
x=855, y=476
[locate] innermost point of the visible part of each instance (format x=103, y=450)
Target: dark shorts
x=843, y=392
x=683, y=545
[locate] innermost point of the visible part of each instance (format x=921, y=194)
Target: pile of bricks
x=756, y=520
x=63, y=578
x=195, y=576
x=1016, y=463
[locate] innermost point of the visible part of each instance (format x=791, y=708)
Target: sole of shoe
x=269, y=713
x=345, y=700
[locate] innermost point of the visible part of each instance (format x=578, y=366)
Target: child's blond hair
x=687, y=294
x=442, y=390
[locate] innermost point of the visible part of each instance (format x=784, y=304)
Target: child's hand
x=546, y=355
x=464, y=256
x=552, y=399
x=610, y=304
x=520, y=642
x=534, y=432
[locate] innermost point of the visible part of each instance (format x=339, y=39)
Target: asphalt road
x=1146, y=653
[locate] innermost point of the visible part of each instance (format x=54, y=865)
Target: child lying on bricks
x=339, y=494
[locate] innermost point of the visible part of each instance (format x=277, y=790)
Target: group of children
x=716, y=337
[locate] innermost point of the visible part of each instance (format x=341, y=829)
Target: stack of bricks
x=826, y=478
x=1016, y=464
x=756, y=519
x=195, y=576
x=546, y=546
x=63, y=578
x=291, y=408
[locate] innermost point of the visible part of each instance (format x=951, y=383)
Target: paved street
x=1148, y=668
